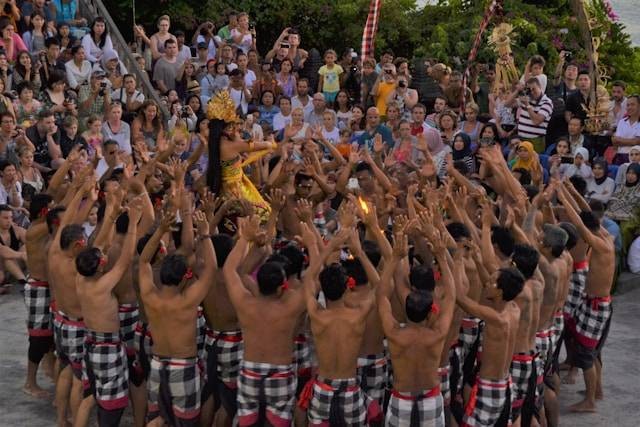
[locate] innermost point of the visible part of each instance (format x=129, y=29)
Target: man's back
x=268, y=326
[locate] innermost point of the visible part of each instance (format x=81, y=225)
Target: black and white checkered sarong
x=487, y=402
x=224, y=353
x=427, y=406
x=372, y=375
x=176, y=382
x=37, y=298
x=69, y=339
x=521, y=371
x=590, y=320
x=104, y=370
x=128, y=315
x=577, y=283
x=346, y=398
x=267, y=385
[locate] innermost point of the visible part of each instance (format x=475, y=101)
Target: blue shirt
x=613, y=229
x=266, y=116
x=367, y=138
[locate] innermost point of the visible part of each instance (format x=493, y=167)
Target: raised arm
x=195, y=293
x=356, y=250
x=113, y=276
x=247, y=228
x=145, y=271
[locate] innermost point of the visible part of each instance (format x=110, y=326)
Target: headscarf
x=466, y=150
x=533, y=164
x=583, y=152
x=635, y=168
x=635, y=148
x=605, y=167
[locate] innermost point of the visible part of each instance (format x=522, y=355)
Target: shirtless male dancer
x=416, y=347
x=223, y=344
x=37, y=295
x=172, y=311
x=589, y=324
x=105, y=371
x=338, y=330
x=489, y=404
x=525, y=258
x=68, y=325
x=267, y=383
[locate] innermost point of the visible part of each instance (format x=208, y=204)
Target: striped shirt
x=526, y=127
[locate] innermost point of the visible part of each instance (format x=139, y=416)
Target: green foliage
x=444, y=30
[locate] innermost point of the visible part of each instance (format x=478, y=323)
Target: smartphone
x=568, y=160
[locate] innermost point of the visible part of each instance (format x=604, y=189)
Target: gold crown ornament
x=222, y=107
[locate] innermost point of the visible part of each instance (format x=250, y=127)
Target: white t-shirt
x=211, y=47
x=245, y=43
x=333, y=135
x=249, y=78
x=627, y=130
x=280, y=121
x=633, y=259
x=239, y=99
x=185, y=53
x=308, y=108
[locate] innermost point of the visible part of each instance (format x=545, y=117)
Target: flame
x=363, y=205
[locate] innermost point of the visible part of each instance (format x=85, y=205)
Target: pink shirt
x=18, y=45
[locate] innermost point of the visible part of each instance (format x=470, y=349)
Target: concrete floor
x=621, y=360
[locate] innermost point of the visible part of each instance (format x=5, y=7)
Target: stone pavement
x=621, y=360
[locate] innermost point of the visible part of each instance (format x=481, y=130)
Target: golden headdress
x=222, y=107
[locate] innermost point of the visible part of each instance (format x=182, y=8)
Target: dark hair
x=25, y=84
x=5, y=208
x=372, y=251
x=122, y=223
x=70, y=233
x=300, y=176
x=418, y=305
x=336, y=106
x=20, y=69
x=5, y=164
x=51, y=41
x=579, y=183
x=511, y=282
x=222, y=244
x=503, y=239
x=56, y=76
x=363, y=167
x=214, y=171
x=590, y=220
x=537, y=60
x=39, y=202
x=88, y=261
x=458, y=230
x=333, y=280
x=142, y=242
x=103, y=36
x=525, y=176
x=169, y=41
x=421, y=278
x=295, y=259
x=493, y=127
x=532, y=191
x=526, y=258
x=75, y=49
x=271, y=275
x=52, y=216
x=597, y=208
x=585, y=72
x=353, y=268
x=173, y=269
x=572, y=234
